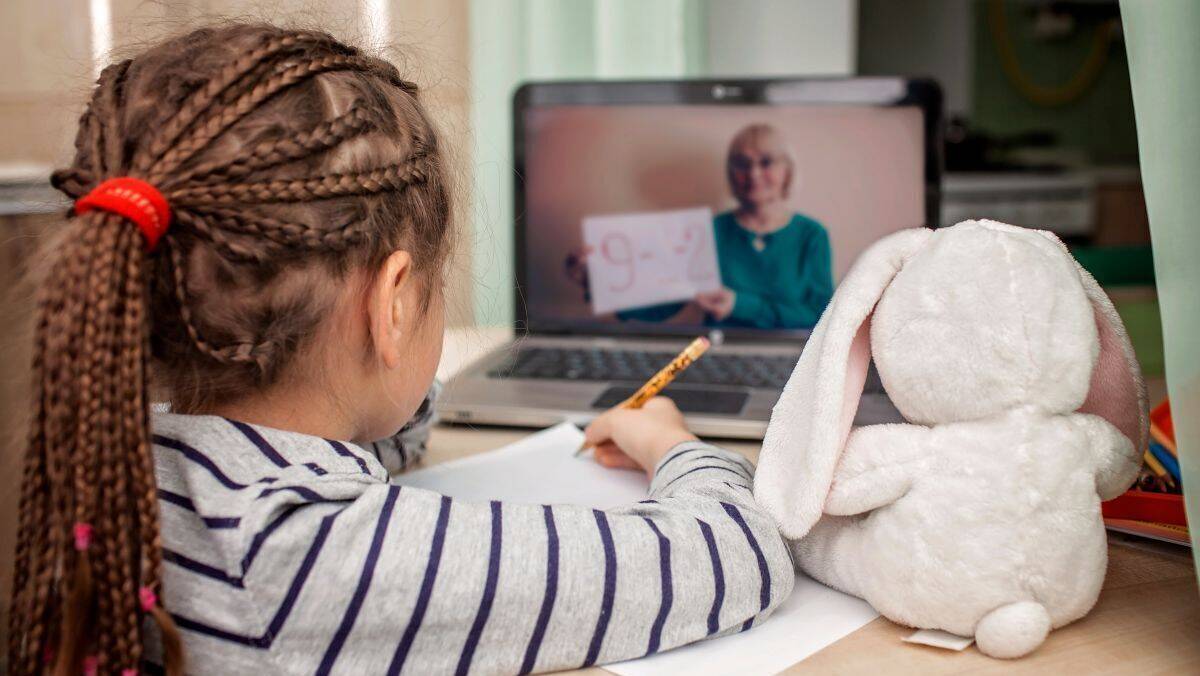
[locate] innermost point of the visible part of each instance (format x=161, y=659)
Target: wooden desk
x=1146, y=621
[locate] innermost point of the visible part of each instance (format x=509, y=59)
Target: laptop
x=648, y=213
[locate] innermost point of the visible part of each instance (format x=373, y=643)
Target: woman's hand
x=575, y=265
x=717, y=303
x=637, y=438
x=689, y=315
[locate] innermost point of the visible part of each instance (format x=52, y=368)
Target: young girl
x=262, y=215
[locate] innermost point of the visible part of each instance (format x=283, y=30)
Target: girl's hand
x=718, y=303
x=637, y=438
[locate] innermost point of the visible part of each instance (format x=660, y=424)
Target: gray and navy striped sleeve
x=342, y=573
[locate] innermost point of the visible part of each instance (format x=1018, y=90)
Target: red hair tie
x=133, y=199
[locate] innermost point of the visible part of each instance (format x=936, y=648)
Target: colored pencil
x=1162, y=438
x=1155, y=465
x=1167, y=460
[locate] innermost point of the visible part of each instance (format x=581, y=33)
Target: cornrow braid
x=295, y=236
x=111, y=146
x=207, y=132
x=31, y=550
x=75, y=183
x=289, y=148
x=104, y=482
x=200, y=102
x=384, y=179
x=231, y=248
x=242, y=352
x=50, y=497
x=89, y=547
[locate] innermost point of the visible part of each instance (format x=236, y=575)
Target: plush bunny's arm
x=875, y=469
x=1117, y=461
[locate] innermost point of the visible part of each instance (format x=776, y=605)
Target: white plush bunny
x=1026, y=408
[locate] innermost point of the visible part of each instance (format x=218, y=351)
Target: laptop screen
x=680, y=218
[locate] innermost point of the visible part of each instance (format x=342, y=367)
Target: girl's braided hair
x=288, y=159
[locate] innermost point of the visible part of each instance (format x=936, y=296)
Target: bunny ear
x=1117, y=391
x=812, y=418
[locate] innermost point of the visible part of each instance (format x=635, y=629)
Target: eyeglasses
x=744, y=163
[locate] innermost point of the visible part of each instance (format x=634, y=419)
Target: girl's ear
x=811, y=421
x=387, y=307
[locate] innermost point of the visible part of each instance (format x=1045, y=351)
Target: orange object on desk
x=1145, y=506
x=1161, y=416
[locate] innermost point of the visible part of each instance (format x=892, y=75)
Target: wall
x=46, y=51
x=1100, y=123
x=952, y=41
x=782, y=37
x=920, y=38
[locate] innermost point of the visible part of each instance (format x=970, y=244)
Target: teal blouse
x=784, y=286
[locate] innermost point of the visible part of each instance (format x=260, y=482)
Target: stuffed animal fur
x=1025, y=406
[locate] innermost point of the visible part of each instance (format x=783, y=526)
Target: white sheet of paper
x=651, y=257
x=542, y=469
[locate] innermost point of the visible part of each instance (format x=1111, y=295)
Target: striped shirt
x=287, y=553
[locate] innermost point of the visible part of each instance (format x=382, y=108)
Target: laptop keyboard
x=635, y=366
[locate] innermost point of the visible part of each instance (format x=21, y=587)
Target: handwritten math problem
x=648, y=258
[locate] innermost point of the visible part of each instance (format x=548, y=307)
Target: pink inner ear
x=1113, y=393
x=856, y=374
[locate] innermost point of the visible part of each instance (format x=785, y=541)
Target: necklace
x=758, y=240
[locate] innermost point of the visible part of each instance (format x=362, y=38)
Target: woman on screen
x=776, y=264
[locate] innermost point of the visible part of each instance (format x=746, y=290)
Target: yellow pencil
x=1163, y=440
x=1157, y=467
x=663, y=378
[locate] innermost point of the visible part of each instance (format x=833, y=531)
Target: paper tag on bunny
x=940, y=639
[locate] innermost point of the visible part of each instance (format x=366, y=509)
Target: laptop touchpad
x=689, y=400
